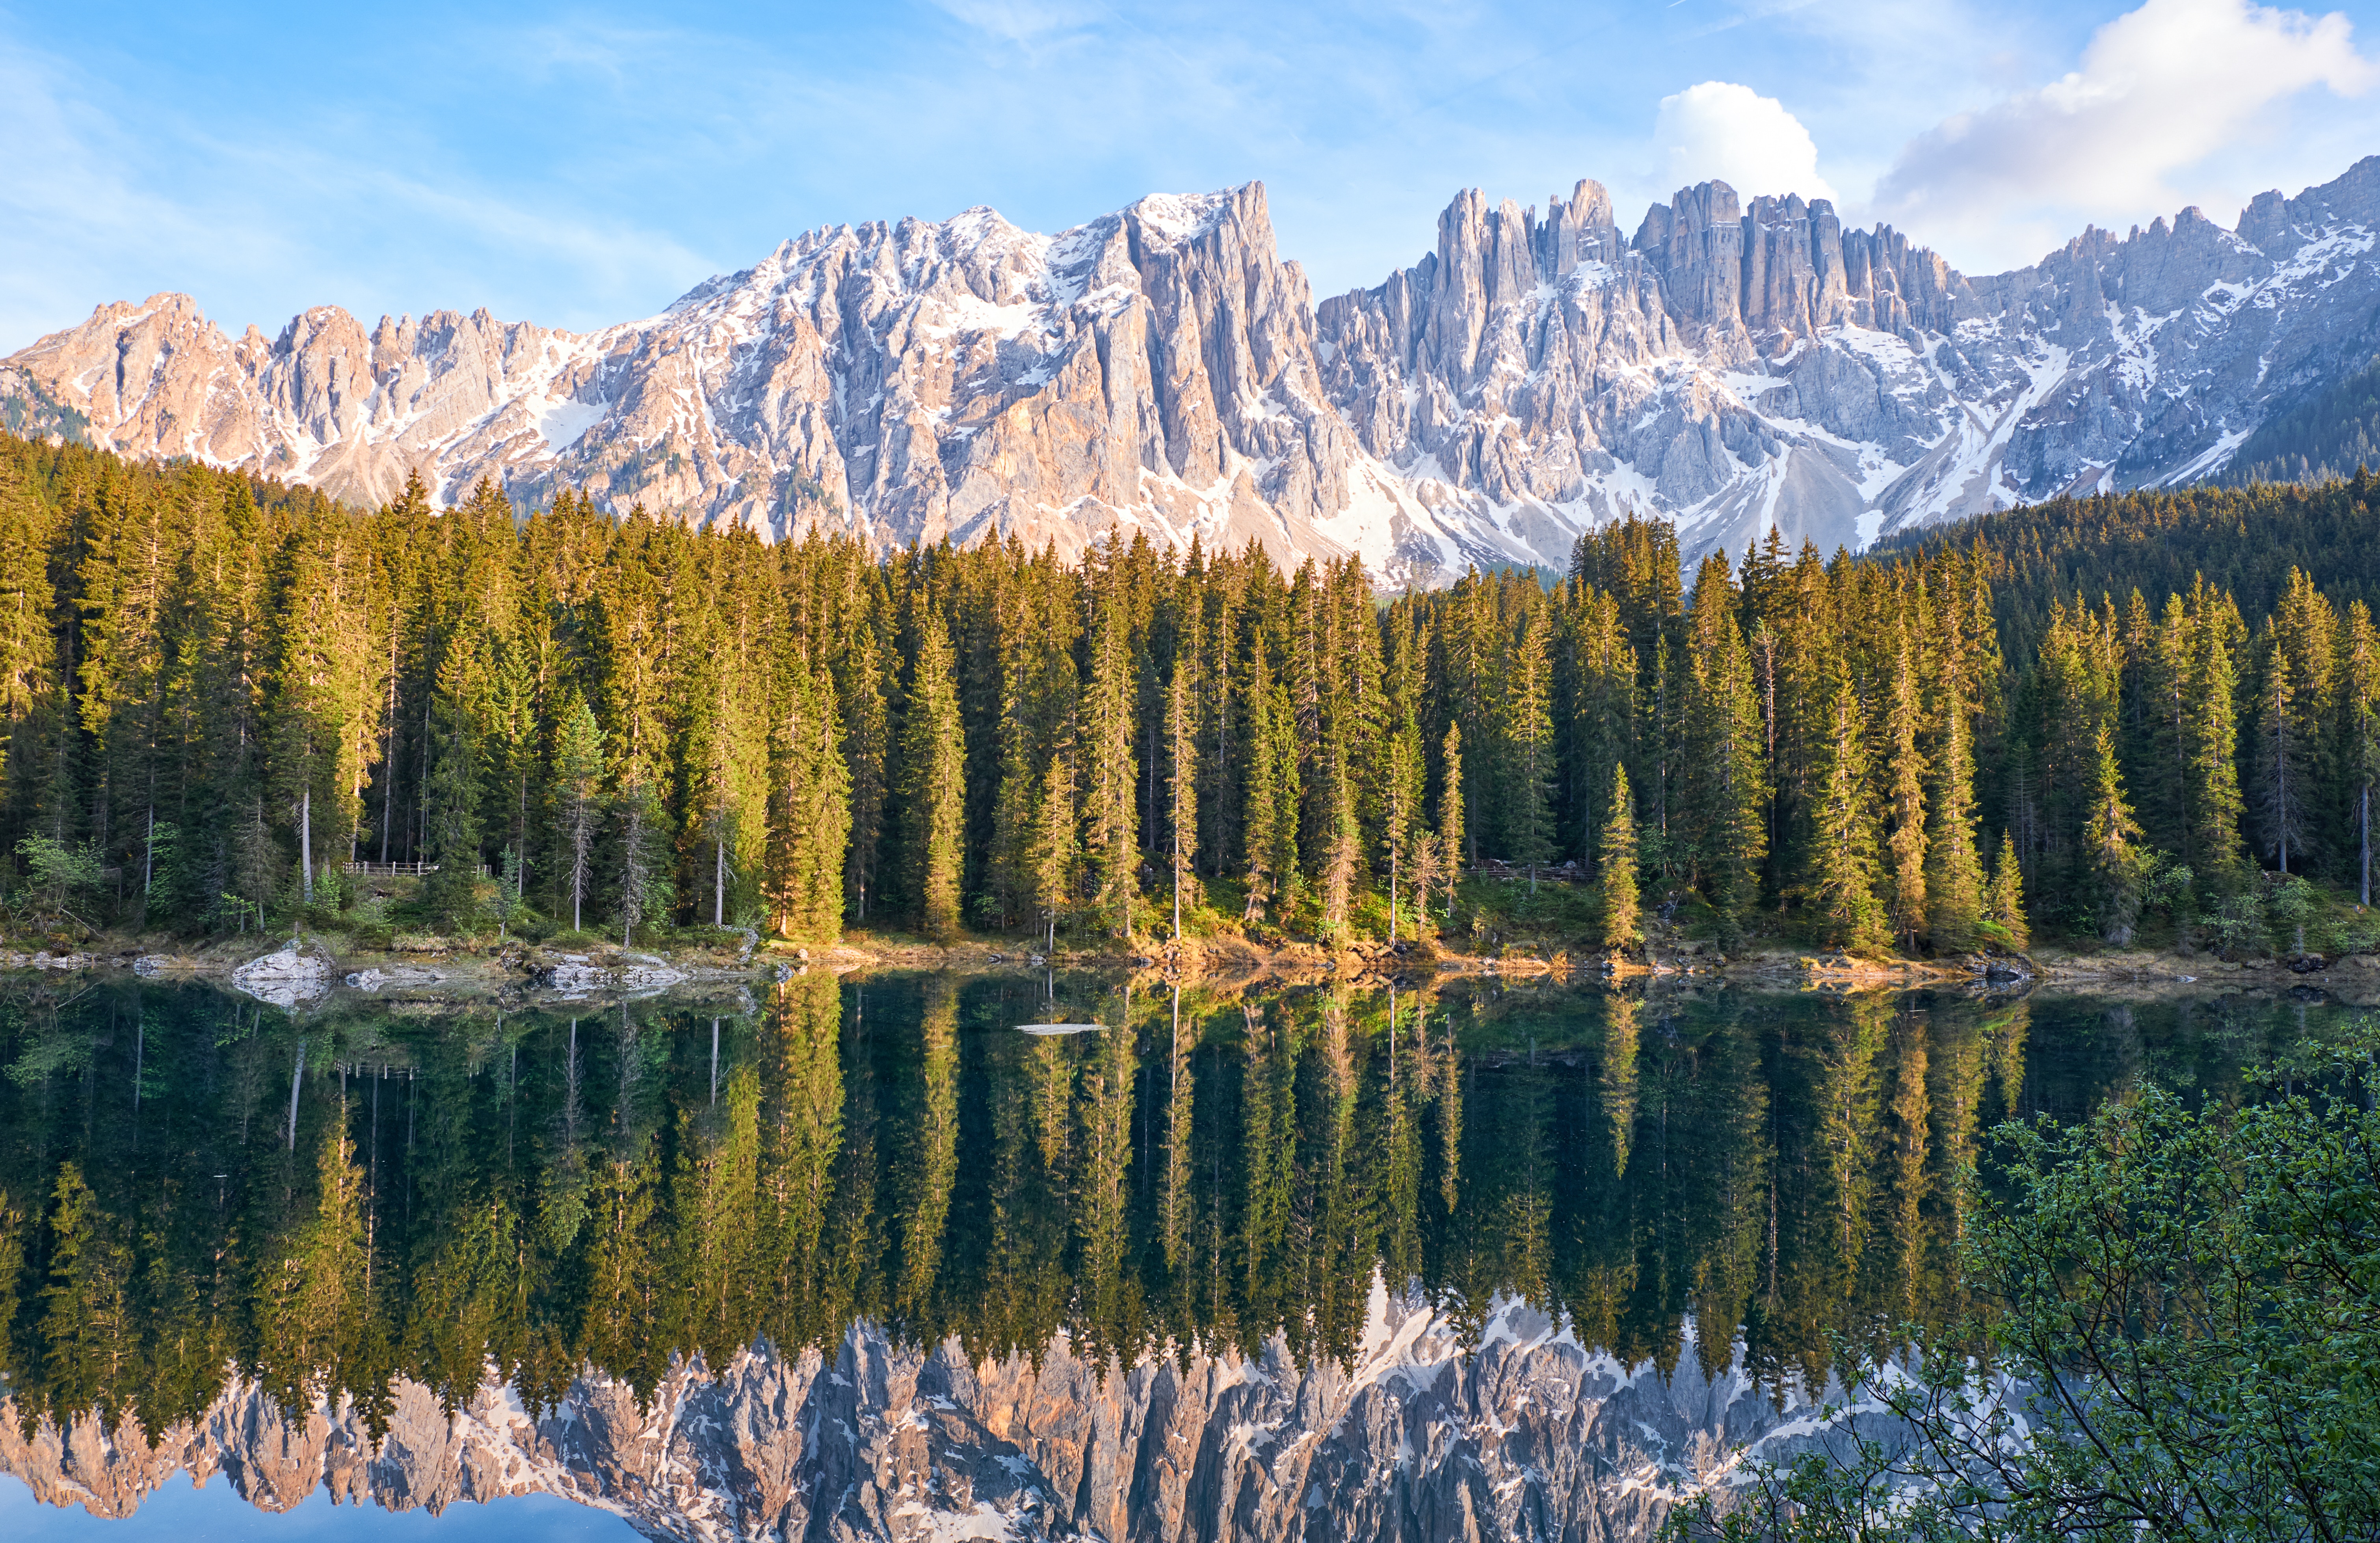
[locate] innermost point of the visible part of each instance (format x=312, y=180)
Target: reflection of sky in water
x=188, y=1515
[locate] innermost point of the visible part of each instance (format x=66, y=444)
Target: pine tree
x=933, y=791
x=1617, y=863
x=1843, y=857
x=578, y=790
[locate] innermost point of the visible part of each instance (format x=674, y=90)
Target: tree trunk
x=306, y=838
x=296, y=1077
x=719, y=885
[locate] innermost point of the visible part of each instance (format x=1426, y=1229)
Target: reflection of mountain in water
x=885, y=1442
x=389, y=1215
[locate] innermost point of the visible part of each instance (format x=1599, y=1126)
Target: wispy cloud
x=2158, y=92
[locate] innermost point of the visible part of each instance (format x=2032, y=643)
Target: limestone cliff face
x=1160, y=369
x=1732, y=367
x=1532, y=1436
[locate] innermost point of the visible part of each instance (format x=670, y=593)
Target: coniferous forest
x=217, y=694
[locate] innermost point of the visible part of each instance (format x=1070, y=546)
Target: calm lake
x=860, y=1258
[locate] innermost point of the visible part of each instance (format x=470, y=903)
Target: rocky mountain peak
x=1161, y=369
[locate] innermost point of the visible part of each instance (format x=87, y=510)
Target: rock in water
x=285, y=978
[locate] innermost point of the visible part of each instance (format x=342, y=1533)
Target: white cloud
x=1749, y=141
x=2162, y=90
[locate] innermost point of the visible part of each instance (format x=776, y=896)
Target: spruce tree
x=1182, y=790
x=1906, y=775
x=2111, y=842
x=1954, y=877
x=1528, y=745
x=1056, y=853
x=1342, y=850
x=814, y=814
x=1110, y=771
x=2213, y=754
x=1842, y=856
x=646, y=891
x=1264, y=805
x=577, y=797
x=1451, y=849
x=453, y=790
x=2004, y=897
x=933, y=791
x=1725, y=759
x=1617, y=863
x=2359, y=737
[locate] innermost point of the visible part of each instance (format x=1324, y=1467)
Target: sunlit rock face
x=1531, y=1436
x=1161, y=370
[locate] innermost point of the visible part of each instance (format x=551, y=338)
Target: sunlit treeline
x=620, y=1189
x=216, y=692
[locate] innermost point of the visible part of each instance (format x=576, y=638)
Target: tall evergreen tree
x=813, y=816
x=1528, y=743
x=2111, y=841
x=1842, y=857
x=577, y=795
x=1451, y=848
x=1057, y=850
x=1110, y=771
x=1725, y=759
x=1905, y=774
x=1617, y=863
x=933, y=791
x=1182, y=788
x=1954, y=877
x=2359, y=733
x=2212, y=749
x=1267, y=822
x=2004, y=899
x=453, y=789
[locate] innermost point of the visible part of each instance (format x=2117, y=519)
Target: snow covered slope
x=1162, y=369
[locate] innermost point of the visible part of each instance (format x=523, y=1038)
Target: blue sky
x=582, y=165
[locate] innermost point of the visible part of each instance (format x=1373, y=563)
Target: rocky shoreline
x=308, y=971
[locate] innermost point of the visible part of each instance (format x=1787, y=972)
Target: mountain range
x=1727, y=366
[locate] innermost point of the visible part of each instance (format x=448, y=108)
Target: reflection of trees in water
x=547, y=1193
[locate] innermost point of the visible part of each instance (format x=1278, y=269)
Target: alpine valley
x=1162, y=369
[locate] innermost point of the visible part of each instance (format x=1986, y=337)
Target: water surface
x=224, y=1210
